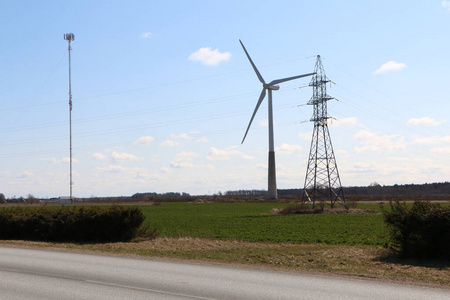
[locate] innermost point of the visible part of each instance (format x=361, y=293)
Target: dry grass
x=304, y=209
x=355, y=261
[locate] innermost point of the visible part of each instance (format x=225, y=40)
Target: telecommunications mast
x=70, y=37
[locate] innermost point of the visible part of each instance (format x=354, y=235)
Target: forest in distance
x=373, y=192
x=439, y=191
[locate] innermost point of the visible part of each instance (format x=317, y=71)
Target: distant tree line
x=374, y=191
x=259, y=193
x=160, y=197
x=426, y=191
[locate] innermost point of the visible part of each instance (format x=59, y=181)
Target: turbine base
x=272, y=178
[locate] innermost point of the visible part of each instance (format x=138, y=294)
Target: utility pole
x=322, y=181
x=70, y=37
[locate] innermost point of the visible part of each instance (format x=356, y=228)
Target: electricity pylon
x=322, y=182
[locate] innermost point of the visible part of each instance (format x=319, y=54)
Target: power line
x=134, y=128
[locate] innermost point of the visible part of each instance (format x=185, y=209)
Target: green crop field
x=252, y=222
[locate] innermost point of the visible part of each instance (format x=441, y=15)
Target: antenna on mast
x=70, y=37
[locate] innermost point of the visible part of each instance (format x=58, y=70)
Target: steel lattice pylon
x=322, y=182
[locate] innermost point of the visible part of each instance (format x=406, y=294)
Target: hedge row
x=71, y=224
x=422, y=231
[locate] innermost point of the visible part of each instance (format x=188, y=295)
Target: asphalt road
x=44, y=274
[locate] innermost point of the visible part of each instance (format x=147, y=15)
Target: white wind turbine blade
x=261, y=79
x=274, y=82
x=261, y=98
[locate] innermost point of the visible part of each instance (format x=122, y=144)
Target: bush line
x=73, y=224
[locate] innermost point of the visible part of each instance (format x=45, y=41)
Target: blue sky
x=163, y=93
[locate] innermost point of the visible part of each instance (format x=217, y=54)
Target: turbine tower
x=70, y=37
x=271, y=86
x=322, y=182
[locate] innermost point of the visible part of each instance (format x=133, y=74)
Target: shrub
x=300, y=209
x=72, y=224
x=422, y=231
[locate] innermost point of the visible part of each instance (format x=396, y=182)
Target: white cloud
x=67, y=160
x=287, y=149
x=25, y=174
x=305, y=135
x=147, y=35
x=114, y=157
x=135, y=174
x=169, y=143
x=379, y=143
x=225, y=154
x=181, y=164
x=62, y=160
x=264, y=123
x=404, y=169
x=182, y=136
x=425, y=121
x=202, y=140
x=344, y=122
x=209, y=57
x=342, y=153
x=118, y=156
x=441, y=150
x=446, y=4
x=154, y=158
x=433, y=140
x=171, y=140
x=183, y=160
x=111, y=169
x=166, y=170
x=363, y=168
x=261, y=166
x=288, y=175
x=390, y=66
x=145, y=140
x=99, y=156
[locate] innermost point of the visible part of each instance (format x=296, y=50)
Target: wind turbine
x=271, y=86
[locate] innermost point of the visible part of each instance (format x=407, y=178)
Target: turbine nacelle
x=271, y=87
